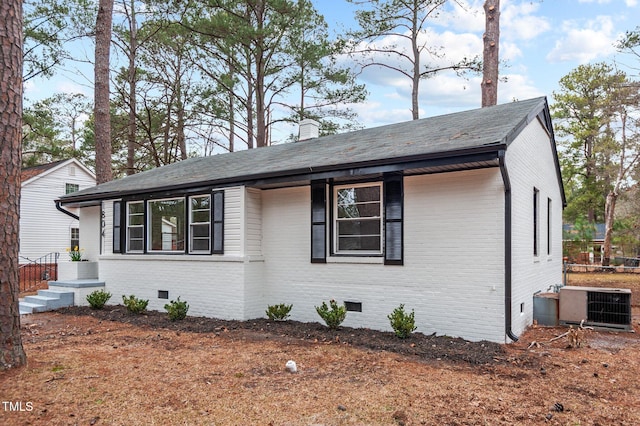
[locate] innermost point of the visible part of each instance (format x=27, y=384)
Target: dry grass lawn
x=85, y=370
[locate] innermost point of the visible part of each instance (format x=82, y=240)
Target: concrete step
x=65, y=297
x=46, y=300
x=30, y=308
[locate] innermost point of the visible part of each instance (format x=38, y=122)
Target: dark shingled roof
x=479, y=130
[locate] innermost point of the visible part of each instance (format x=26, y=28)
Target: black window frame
x=217, y=219
x=322, y=211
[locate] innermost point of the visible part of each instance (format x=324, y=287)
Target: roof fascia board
x=484, y=153
x=541, y=113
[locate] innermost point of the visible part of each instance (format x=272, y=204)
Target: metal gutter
x=311, y=173
x=507, y=247
x=67, y=212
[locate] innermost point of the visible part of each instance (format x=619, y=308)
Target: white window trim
x=190, y=224
x=129, y=226
x=70, y=185
x=334, y=225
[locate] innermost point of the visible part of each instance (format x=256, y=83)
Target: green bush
x=98, y=299
x=403, y=324
x=135, y=305
x=278, y=312
x=332, y=316
x=177, y=309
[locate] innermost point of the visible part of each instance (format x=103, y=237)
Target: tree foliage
x=54, y=129
x=48, y=29
x=582, y=110
x=598, y=112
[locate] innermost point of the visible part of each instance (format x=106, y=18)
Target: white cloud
x=464, y=16
x=67, y=86
x=517, y=87
x=373, y=113
x=585, y=42
x=520, y=22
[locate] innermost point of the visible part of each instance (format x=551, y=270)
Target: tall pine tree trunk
x=415, y=83
x=491, y=59
x=101, y=96
x=11, y=351
x=132, y=129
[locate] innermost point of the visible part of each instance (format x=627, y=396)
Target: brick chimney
x=309, y=129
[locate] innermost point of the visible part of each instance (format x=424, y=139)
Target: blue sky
x=540, y=40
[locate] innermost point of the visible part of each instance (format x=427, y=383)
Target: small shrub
x=177, y=309
x=98, y=299
x=333, y=315
x=135, y=305
x=403, y=324
x=278, y=312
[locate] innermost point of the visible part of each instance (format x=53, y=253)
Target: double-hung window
x=187, y=224
x=200, y=224
x=70, y=188
x=75, y=238
x=366, y=219
x=358, y=219
x=135, y=227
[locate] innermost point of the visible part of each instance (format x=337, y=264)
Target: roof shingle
x=444, y=135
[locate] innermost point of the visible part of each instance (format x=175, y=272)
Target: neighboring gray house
x=458, y=217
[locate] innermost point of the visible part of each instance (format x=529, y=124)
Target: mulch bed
x=425, y=347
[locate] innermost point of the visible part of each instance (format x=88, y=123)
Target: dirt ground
x=110, y=367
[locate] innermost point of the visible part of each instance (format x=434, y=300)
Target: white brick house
x=458, y=217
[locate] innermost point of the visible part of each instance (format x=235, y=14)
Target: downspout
x=507, y=246
x=67, y=212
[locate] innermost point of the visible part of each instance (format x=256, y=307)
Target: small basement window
x=163, y=294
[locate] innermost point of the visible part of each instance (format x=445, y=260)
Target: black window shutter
x=318, y=222
x=117, y=227
x=393, y=220
x=217, y=222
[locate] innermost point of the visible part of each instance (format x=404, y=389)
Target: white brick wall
x=530, y=164
x=453, y=272
x=213, y=286
x=452, y=275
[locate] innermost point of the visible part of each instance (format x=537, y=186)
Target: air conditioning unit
x=596, y=306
